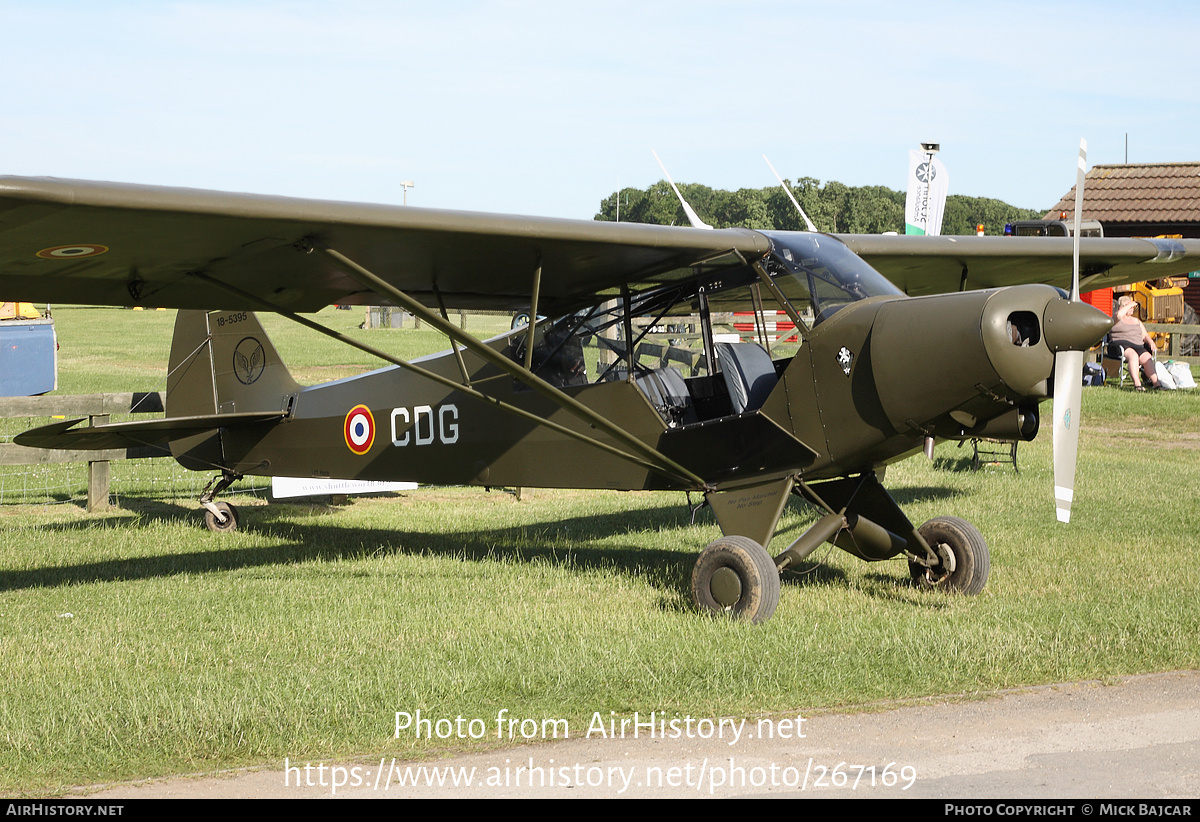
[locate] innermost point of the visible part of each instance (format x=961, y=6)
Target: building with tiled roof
x=1139, y=200
x=1142, y=200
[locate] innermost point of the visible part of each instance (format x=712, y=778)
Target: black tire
x=744, y=577
x=231, y=518
x=519, y=319
x=972, y=563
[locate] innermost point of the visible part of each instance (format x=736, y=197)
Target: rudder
x=222, y=362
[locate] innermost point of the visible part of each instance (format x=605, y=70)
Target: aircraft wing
x=934, y=265
x=115, y=244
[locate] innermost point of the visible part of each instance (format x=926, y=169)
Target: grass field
x=136, y=644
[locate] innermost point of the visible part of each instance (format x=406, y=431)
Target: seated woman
x=1132, y=343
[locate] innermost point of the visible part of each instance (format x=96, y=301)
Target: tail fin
x=222, y=362
x=224, y=374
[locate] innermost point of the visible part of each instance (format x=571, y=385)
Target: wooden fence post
x=98, y=408
x=98, y=474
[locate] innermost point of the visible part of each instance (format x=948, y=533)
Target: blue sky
x=545, y=108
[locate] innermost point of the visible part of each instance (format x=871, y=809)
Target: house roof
x=1138, y=193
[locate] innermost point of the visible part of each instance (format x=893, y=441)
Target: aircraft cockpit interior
x=709, y=347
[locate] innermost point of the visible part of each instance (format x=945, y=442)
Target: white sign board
x=301, y=487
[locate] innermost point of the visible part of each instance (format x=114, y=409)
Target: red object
x=1101, y=299
x=778, y=326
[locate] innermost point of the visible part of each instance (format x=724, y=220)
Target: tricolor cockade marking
x=70, y=252
x=359, y=429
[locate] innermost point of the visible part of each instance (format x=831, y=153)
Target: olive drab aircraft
x=593, y=395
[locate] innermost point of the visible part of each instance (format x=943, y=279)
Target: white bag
x=1182, y=374
x=1164, y=376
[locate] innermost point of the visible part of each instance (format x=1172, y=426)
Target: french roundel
x=68, y=252
x=359, y=429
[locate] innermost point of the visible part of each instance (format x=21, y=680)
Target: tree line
x=833, y=207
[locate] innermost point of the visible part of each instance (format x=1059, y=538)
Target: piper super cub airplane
x=583, y=399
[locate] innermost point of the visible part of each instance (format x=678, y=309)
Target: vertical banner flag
x=926, y=201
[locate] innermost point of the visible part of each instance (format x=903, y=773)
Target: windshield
x=819, y=275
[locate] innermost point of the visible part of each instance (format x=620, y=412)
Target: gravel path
x=1136, y=738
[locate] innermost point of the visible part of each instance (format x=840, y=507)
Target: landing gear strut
x=220, y=517
x=736, y=576
x=226, y=518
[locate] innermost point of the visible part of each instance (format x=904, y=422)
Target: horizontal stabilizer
x=64, y=435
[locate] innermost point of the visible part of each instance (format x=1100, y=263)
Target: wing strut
x=531, y=332
x=663, y=464
x=646, y=457
x=462, y=366
x=686, y=478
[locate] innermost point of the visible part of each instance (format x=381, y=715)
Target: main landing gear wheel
x=736, y=576
x=965, y=560
x=221, y=526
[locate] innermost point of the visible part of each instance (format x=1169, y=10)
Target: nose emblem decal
x=845, y=358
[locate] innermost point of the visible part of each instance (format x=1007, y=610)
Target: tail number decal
x=424, y=425
x=359, y=429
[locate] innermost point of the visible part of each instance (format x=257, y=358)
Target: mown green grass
x=105, y=349
x=137, y=644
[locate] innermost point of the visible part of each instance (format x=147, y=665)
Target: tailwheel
x=963, y=560
x=219, y=516
x=223, y=520
x=737, y=577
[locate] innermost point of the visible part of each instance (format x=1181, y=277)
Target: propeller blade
x=692, y=216
x=1068, y=379
x=807, y=222
x=1068, y=396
